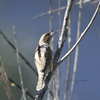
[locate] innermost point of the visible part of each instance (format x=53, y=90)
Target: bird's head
x=46, y=38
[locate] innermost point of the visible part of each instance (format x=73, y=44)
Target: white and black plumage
x=43, y=58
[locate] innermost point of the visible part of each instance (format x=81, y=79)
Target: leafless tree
x=57, y=60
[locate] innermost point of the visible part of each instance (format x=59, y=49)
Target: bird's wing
x=48, y=57
x=43, y=58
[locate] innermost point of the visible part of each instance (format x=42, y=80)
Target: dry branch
x=81, y=36
x=26, y=61
x=5, y=82
x=64, y=7
x=19, y=68
x=51, y=45
x=63, y=34
x=58, y=71
x=15, y=84
x=77, y=49
x=69, y=60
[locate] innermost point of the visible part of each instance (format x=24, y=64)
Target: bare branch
x=19, y=68
x=48, y=95
x=26, y=61
x=63, y=34
x=77, y=49
x=5, y=81
x=81, y=36
x=69, y=60
x=51, y=45
x=58, y=71
x=49, y=12
x=54, y=86
x=50, y=7
x=86, y=1
x=15, y=84
x=64, y=7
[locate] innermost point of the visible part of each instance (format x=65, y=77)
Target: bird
x=43, y=58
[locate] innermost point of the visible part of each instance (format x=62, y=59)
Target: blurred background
x=20, y=13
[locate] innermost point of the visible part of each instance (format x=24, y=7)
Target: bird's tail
x=41, y=83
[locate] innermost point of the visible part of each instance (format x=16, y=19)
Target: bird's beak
x=52, y=33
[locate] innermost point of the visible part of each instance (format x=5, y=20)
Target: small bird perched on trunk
x=43, y=58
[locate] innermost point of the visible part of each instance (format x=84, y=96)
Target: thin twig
x=64, y=7
x=48, y=96
x=51, y=17
x=26, y=61
x=69, y=60
x=51, y=45
x=49, y=12
x=54, y=86
x=81, y=36
x=15, y=84
x=58, y=71
x=19, y=68
x=5, y=81
x=77, y=49
x=86, y=1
